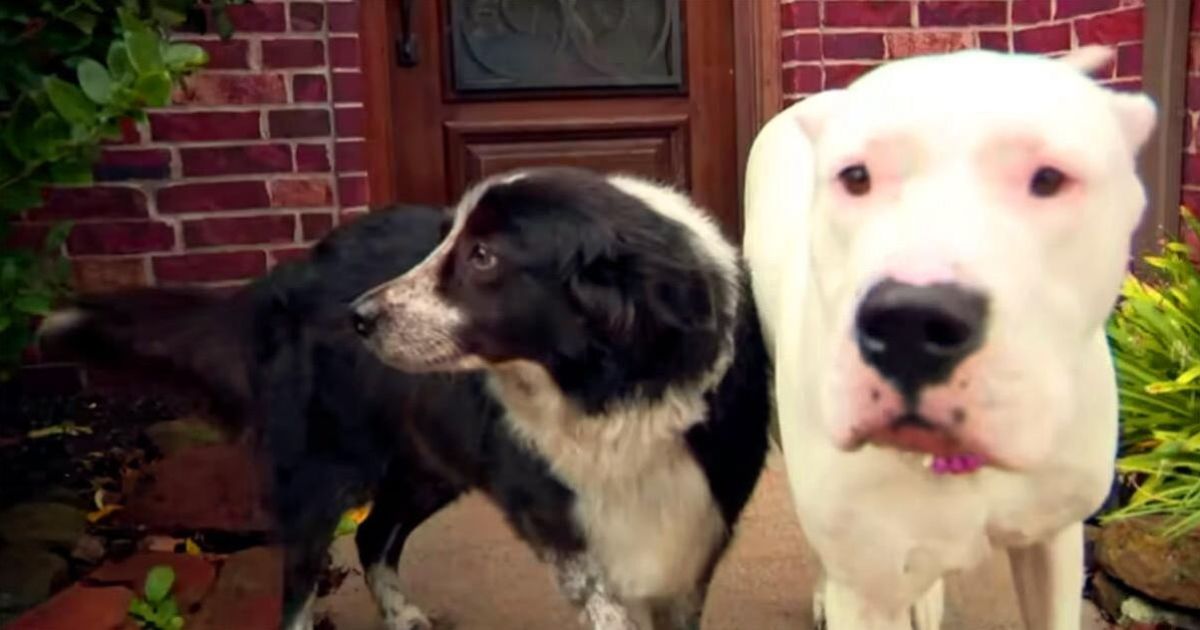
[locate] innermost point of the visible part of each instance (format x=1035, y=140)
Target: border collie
x=582, y=348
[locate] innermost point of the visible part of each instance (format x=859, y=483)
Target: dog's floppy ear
x=680, y=298
x=812, y=112
x=1088, y=59
x=1137, y=115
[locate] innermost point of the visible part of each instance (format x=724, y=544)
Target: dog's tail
x=197, y=337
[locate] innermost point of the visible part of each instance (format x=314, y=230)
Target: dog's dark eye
x=856, y=180
x=1047, y=182
x=481, y=257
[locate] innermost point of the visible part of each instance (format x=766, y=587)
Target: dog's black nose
x=364, y=316
x=916, y=335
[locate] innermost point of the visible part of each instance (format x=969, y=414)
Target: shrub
x=1155, y=337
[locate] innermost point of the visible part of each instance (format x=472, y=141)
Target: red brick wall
x=260, y=155
x=1191, y=157
x=829, y=43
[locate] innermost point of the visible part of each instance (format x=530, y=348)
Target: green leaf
x=155, y=89
x=224, y=25
x=158, y=582
x=181, y=56
x=118, y=60
x=94, y=80
x=130, y=22
x=18, y=131
x=71, y=171
x=57, y=235
x=144, y=53
x=5, y=321
x=51, y=133
x=70, y=101
x=81, y=18
x=32, y=303
x=20, y=195
x=168, y=17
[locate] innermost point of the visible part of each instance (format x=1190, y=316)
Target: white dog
x=934, y=252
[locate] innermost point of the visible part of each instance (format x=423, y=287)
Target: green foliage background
x=72, y=71
x=1155, y=338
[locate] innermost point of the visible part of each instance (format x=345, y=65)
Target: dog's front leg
x=1049, y=580
x=838, y=607
x=582, y=582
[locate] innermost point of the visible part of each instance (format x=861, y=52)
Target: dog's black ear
x=681, y=298
x=596, y=289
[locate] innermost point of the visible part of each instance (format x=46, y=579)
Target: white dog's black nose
x=916, y=335
x=364, y=316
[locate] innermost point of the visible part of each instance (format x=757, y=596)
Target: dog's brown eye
x=856, y=180
x=1047, y=182
x=481, y=257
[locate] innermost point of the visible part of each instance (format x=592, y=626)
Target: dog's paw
x=818, y=607
x=406, y=617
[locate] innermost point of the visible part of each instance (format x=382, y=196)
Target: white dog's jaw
x=951, y=143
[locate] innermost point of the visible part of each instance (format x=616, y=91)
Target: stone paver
x=77, y=608
x=465, y=567
x=247, y=594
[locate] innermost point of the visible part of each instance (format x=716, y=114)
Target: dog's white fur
x=951, y=142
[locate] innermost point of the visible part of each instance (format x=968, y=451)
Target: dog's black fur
x=340, y=427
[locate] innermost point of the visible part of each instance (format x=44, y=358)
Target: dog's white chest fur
x=641, y=499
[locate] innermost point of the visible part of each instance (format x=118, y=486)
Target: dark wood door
x=641, y=86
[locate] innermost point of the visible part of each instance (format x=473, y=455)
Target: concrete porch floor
x=465, y=568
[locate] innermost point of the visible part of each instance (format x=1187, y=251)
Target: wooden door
x=474, y=87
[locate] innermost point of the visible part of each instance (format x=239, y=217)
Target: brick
x=1110, y=28
x=208, y=88
x=98, y=275
x=1031, y=11
x=1043, y=39
x=352, y=191
x=1194, y=55
x=962, y=13
x=124, y=164
x=995, y=40
x=1189, y=131
x=350, y=122
x=842, y=75
x=913, y=43
x=209, y=267
x=1066, y=9
x=130, y=133
x=261, y=158
x=312, y=158
x=293, y=53
x=301, y=192
x=801, y=47
x=315, y=225
x=348, y=87
x=123, y=237
x=859, y=13
x=343, y=52
x=194, y=575
x=298, y=123
x=351, y=155
x=225, y=55
x=802, y=79
x=101, y=608
x=239, y=230
x=204, y=126
x=343, y=17
x=1129, y=60
x=1193, y=91
x=97, y=202
x=349, y=216
x=852, y=46
x=208, y=197
x=288, y=254
x=306, y=17
x=1125, y=85
x=260, y=17
x=309, y=88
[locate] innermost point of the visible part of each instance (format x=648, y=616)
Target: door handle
x=407, y=52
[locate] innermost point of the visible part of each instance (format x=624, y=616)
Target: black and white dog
x=600, y=376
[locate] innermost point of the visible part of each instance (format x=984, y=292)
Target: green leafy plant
x=73, y=71
x=158, y=609
x=1155, y=338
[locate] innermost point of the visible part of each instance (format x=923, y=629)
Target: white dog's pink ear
x=1088, y=59
x=1137, y=115
x=812, y=112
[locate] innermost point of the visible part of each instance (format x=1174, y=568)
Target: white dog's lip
x=944, y=452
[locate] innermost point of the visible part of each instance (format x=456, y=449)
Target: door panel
x=640, y=86
x=654, y=147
